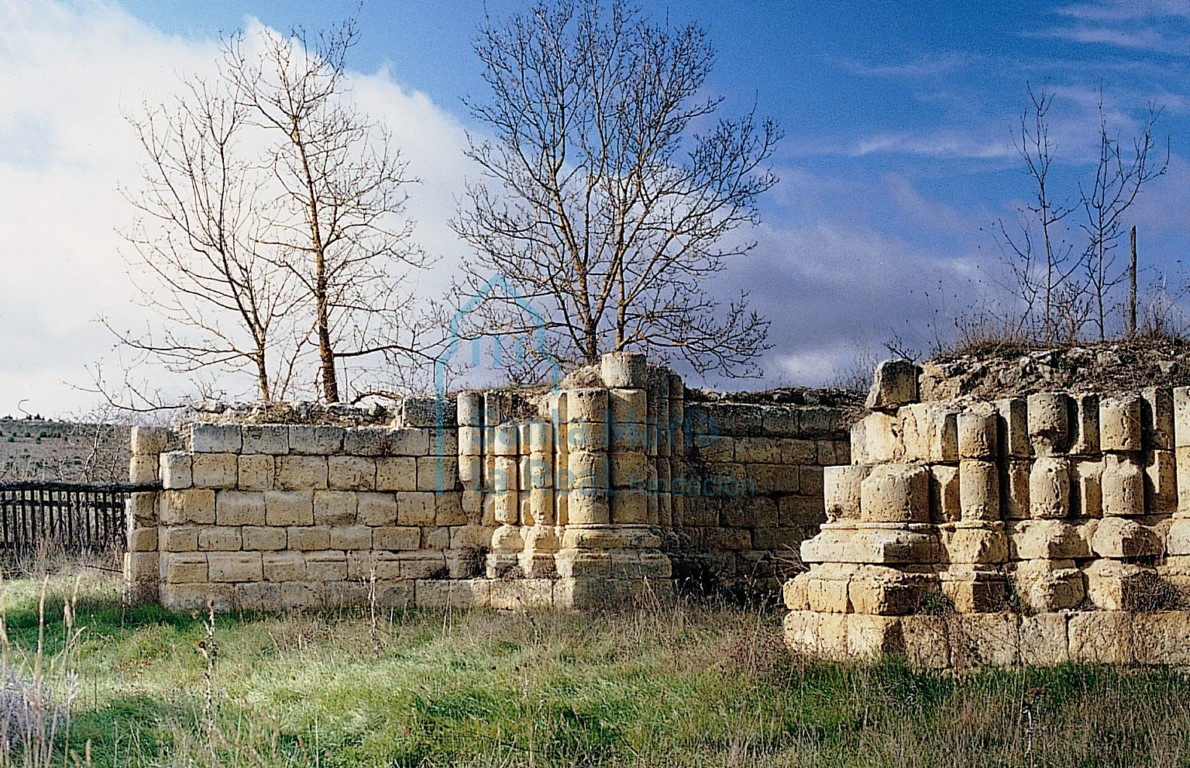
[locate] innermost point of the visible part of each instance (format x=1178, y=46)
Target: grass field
x=696, y=685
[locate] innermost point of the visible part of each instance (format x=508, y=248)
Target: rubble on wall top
x=1107, y=368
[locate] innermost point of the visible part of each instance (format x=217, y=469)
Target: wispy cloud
x=941, y=145
x=1156, y=26
x=929, y=65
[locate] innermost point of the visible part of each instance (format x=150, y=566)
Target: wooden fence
x=75, y=517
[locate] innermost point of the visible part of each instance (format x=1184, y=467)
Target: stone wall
x=1030, y=530
x=582, y=497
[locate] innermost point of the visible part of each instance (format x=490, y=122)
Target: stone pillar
x=507, y=541
x=610, y=555
x=142, y=575
x=538, y=522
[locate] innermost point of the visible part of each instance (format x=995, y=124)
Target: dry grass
x=694, y=685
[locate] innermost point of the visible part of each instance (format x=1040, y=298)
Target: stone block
x=1122, y=487
x=979, y=490
x=1181, y=415
x=453, y=593
x=239, y=508
x=178, y=538
x=219, y=539
x=895, y=493
x=469, y=409
x=893, y=385
x=1084, y=425
x=234, y=566
x=257, y=471
x=842, y=491
x=195, y=506
x=141, y=508
x=1049, y=422
x=1014, y=484
x=926, y=641
x=184, y=568
x=627, y=406
x=376, y=509
x=586, y=406
x=301, y=594
x=1116, y=586
x=335, y=507
x=195, y=597
x=284, y=566
x=148, y=441
x=216, y=438
x=1013, y=438
x=396, y=473
x=1048, y=540
x=816, y=636
x=624, y=369
x=328, y=566
x=437, y=473
x=522, y=594
x=1119, y=538
x=261, y=539
x=142, y=539
x=1049, y=485
x=1157, y=418
x=346, y=537
x=1043, y=640
x=415, y=508
x=289, y=507
x=1100, y=637
x=315, y=439
x=175, y=470
x=272, y=439
x=945, y=493
x=929, y=432
x=876, y=439
x=886, y=591
x=345, y=594
x=448, y=509
x=300, y=473
x=974, y=543
x=1162, y=638
x=308, y=538
x=1049, y=585
x=978, y=435
x=215, y=470
x=354, y=473
x=396, y=538
x=874, y=637
x=1119, y=423
x=1086, y=488
x=1161, y=482
x=877, y=546
x=984, y=639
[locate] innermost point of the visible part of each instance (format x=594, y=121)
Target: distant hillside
x=39, y=449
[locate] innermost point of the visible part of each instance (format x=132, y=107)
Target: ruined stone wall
x=575, y=498
x=761, y=471
x=1030, y=530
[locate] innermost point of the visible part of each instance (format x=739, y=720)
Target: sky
x=896, y=164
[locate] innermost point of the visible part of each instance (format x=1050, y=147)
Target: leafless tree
x=1041, y=260
x=1117, y=182
x=603, y=209
x=272, y=220
x=201, y=258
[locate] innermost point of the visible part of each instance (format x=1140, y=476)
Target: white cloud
x=67, y=72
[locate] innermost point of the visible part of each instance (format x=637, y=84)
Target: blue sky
x=896, y=161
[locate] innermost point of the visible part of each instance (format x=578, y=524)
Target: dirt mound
x=1111, y=367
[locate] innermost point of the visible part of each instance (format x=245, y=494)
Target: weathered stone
x=289, y=507
x=1048, y=585
x=1084, y=426
x=239, y=508
x=627, y=370
x=1048, y=540
x=234, y=566
x=315, y=439
x=1043, y=640
x=148, y=441
x=299, y=473
x=1049, y=486
x=895, y=493
x=259, y=538
x=1119, y=423
x=195, y=506
x=184, y=568
x=256, y=472
x=974, y=543
x=979, y=490
x=1049, y=422
x=353, y=473
x=1087, y=488
x=469, y=409
x=929, y=432
x=215, y=470
x=984, y=639
x=175, y=468
x=308, y=538
x=379, y=509
x=1013, y=439
x=977, y=435
x=1161, y=482
x=1117, y=537
x=1157, y=418
x=893, y=385
x=216, y=438
x=870, y=545
x=1116, y=586
x=1123, y=487
x=1100, y=637
x=269, y=438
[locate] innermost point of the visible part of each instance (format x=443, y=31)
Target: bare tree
x=277, y=229
x=603, y=210
x=1117, y=182
x=202, y=263
x=1042, y=262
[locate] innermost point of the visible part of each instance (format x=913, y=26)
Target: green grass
x=699, y=686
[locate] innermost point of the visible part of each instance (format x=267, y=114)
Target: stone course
x=586, y=497
x=1032, y=530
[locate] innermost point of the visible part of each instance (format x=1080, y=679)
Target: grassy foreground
x=689, y=686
